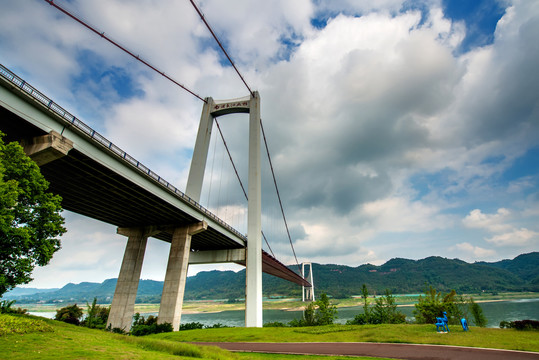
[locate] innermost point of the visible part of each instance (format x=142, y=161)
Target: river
x=494, y=312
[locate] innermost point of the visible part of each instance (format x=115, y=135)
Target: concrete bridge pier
x=170, y=309
x=123, y=302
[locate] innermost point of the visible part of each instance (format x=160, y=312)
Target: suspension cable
x=279, y=196
x=137, y=57
x=221, y=46
x=239, y=179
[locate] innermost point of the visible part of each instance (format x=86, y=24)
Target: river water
x=494, y=312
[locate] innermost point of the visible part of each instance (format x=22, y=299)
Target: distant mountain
x=524, y=266
x=28, y=291
x=400, y=276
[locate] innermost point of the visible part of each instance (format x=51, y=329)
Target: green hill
x=400, y=276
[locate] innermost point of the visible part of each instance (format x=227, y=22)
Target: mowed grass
x=509, y=339
x=24, y=337
x=27, y=337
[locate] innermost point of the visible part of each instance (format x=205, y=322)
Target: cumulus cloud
x=474, y=252
x=515, y=237
x=505, y=234
x=492, y=222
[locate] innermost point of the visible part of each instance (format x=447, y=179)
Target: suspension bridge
x=98, y=179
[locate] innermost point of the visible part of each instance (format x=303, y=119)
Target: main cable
x=137, y=57
x=221, y=46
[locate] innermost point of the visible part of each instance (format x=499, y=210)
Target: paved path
x=394, y=351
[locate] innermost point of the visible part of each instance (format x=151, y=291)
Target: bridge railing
x=71, y=120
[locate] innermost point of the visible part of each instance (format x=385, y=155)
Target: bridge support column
x=170, y=309
x=123, y=302
x=253, y=292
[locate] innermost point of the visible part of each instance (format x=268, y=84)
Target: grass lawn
x=415, y=334
x=25, y=337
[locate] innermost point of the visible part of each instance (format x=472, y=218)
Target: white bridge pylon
x=253, y=257
x=307, y=293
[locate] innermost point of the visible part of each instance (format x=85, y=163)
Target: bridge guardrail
x=72, y=120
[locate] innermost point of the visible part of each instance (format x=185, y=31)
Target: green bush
x=215, y=326
x=359, y=319
x=384, y=311
x=5, y=308
x=317, y=313
x=69, y=314
x=97, y=316
x=141, y=330
x=148, y=326
x=525, y=325
x=520, y=325
x=191, y=326
x=274, y=324
x=435, y=303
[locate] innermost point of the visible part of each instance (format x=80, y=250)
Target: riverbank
x=215, y=306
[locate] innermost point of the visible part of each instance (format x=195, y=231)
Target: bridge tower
x=307, y=293
x=253, y=257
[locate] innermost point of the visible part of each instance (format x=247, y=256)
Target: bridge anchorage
x=97, y=179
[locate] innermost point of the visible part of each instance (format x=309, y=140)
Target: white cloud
x=469, y=251
x=400, y=215
x=517, y=237
x=505, y=234
x=492, y=222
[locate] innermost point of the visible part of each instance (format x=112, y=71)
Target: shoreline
x=212, y=307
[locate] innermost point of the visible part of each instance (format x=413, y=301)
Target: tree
x=326, y=312
x=69, y=314
x=434, y=304
x=477, y=313
x=385, y=311
x=30, y=219
x=317, y=313
x=97, y=316
x=365, y=296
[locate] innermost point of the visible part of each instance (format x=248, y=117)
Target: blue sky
x=397, y=128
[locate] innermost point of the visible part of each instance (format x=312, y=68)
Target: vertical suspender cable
x=279, y=196
x=239, y=179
